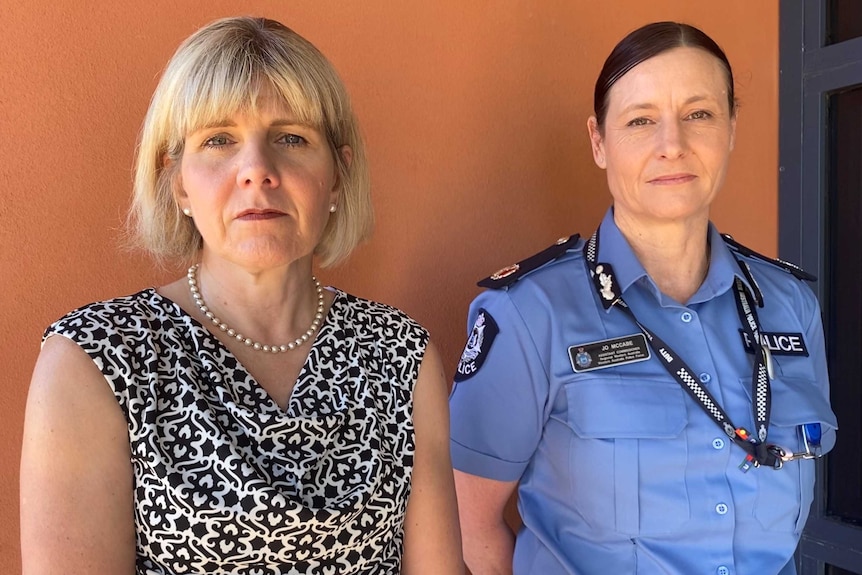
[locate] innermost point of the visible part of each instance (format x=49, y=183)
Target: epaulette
x=797, y=272
x=510, y=274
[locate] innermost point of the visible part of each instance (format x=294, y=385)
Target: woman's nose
x=672, y=141
x=257, y=166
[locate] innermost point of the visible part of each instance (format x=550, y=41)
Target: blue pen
x=811, y=438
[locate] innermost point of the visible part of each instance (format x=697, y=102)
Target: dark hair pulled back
x=649, y=41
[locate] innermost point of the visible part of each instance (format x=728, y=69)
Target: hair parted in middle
x=219, y=71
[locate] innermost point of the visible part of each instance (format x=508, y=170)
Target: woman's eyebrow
x=650, y=106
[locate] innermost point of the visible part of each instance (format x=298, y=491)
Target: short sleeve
x=816, y=343
x=498, y=401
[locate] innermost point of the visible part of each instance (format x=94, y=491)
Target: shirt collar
x=615, y=250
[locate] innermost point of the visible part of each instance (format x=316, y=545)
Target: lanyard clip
x=779, y=454
x=810, y=442
x=767, y=359
x=786, y=455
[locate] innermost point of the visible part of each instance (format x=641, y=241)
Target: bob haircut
x=649, y=41
x=215, y=73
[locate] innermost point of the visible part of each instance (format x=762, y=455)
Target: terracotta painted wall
x=474, y=112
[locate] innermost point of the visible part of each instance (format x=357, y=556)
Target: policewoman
x=655, y=392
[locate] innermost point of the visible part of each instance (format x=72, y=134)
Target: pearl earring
x=187, y=212
x=332, y=209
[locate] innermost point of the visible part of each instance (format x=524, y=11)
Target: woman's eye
x=291, y=140
x=216, y=142
x=700, y=115
x=638, y=122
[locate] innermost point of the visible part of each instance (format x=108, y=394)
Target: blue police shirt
x=620, y=470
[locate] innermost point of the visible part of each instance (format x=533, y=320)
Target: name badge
x=778, y=343
x=609, y=352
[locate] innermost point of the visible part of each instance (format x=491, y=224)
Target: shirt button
x=718, y=443
x=686, y=316
x=705, y=377
x=721, y=509
x=722, y=570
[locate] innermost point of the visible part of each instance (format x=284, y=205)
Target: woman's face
x=667, y=137
x=259, y=187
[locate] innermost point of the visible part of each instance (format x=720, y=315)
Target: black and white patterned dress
x=225, y=481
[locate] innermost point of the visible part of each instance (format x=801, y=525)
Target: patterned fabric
x=225, y=481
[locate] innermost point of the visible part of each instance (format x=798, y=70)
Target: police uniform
x=620, y=471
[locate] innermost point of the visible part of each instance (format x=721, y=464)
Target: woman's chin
x=267, y=255
x=672, y=214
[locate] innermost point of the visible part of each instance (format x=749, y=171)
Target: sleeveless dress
x=224, y=480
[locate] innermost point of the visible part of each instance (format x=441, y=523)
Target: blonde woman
x=242, y=419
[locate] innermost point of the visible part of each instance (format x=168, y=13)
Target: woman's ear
x=172, y=171
x=596, y=142
x=346, y=153
x=733, y=131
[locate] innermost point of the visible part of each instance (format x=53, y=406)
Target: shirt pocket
x=784, y=495
x=628, y=453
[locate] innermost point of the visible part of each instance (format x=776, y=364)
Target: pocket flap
x=610, y=407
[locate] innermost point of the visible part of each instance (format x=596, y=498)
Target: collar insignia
x=505, y=272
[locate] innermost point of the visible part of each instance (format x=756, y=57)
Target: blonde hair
x=219, y=71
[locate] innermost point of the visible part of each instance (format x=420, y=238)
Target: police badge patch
x=582, y=358
x=478, y=343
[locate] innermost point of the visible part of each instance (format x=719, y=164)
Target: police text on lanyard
x=758, y=452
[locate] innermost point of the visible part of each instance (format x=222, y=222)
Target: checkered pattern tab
x=701, y=394
x=761, y=401
x=591, y=248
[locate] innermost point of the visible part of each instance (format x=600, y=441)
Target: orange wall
x=474, y=112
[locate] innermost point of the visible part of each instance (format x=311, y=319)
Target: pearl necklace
x=199, y=300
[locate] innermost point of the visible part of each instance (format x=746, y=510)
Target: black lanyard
x=758, y=452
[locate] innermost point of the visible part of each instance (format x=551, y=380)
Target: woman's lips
x=672, y=179
x=253, y=215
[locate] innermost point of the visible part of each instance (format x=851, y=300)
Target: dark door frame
x=809, y=71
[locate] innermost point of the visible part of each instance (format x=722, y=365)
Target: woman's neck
x=674, y=254
x=273, y=305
